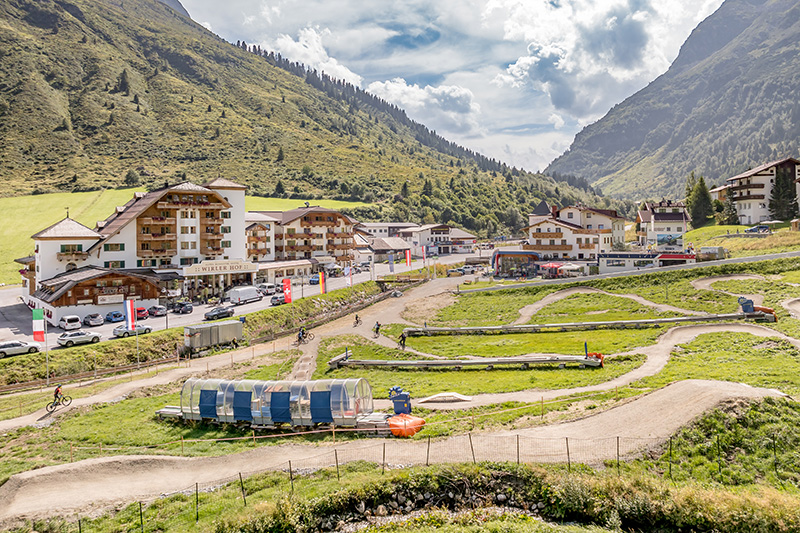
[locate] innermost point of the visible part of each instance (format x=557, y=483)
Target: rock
x=340, y=524
x=381, y=511
x=450, y=495
x=540, y=505
x=428, y=495
x=501, y=498
x=401, y=499
x=361, y=507
x=393, y=505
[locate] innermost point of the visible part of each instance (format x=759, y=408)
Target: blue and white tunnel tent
x=267, y=403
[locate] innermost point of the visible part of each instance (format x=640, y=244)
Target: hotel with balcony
x=574, y=232
x=751, y=191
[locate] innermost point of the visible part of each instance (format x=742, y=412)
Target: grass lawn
x=466, y=381
x=23, y=216
x=680, y=294
x=261, y=203
x=488, y=308
x=606, y=341
x=596, y=308
x=781, y=240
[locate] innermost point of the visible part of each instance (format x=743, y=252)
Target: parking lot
x=16, y=322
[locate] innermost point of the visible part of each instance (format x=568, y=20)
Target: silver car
x=123, y=331
x=95, y=319
x=157, y=310
x=78, y=337
x=18, y=347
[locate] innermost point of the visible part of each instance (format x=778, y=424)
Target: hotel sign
x=233, y=266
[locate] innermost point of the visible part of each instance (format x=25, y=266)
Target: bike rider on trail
x=301, y=334
x=57, y=393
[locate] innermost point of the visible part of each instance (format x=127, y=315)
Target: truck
x=203, y=336
x=243, y=295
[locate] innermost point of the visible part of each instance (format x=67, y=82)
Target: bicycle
x=357, y=322
x=62, y=400
x=305, y=338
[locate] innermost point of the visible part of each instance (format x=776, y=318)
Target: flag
x=391, y=263
x=130, y=314
x=408, y=258
x=348, y=277
x=423, y=254
x=287, y=290
x=322, y=288
x=38, y=325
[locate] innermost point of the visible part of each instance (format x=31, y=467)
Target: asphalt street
x=16, y=322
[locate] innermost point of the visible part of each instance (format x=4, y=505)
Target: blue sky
x=512, y=79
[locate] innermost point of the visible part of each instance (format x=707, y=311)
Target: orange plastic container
x=405, y=425
x=598, y=356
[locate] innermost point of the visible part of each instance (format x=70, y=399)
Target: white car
x=18, y=347
x=123, y=331
x=78, y=337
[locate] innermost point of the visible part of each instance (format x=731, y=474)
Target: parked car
x=267, y=288
x=243, y=295
x=761, y=228
x=70, y=322
x=218, y=312
x=278, y=299
x=18, y=347
x=115, y=316
x=157, y=310
x=466, y=269
x=78, y=337
x=141, y=313
x=314, y=280
x=364, y=265
x=183, y=308
x=123, y=331
x=454, y=272
x=95, y=319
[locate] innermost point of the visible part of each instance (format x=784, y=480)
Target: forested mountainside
x=94, y=92
x=727, y=103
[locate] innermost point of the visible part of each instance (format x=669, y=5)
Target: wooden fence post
x=472, y=449
x=569, y=461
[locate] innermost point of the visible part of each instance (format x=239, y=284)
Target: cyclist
x=356, y=321
x=377, y=328
x=403, y=340
x=301, y=334
x=57, y=393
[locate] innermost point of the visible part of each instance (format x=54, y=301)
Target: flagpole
x=46, y=353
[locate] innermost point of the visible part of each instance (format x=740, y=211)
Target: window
x=86, y=292
x=185, y=230
x=615, y=262
x=209, y=214
x=145, y=230
x=226, y=214
x=145, y=246
x=185, y=261
x=116, y=283
x=164, y=262
x=601, y=226
x=588, y=226
x=569, y=214
x=669, y=228
x=552, y=242
x=184, y=246
x=642, y=263
x=588, y=215
x=165, y=214
x=114, y=247
x=226, y=244
x=290, y=231
x=538, y=230
x=114, y=264
x=226, y=229
x=71, y=248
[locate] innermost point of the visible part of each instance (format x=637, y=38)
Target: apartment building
x=574, y=232
x=661, y=225
x=313, y=232
x=751, y=191
x=260, y=230
x=386, y=229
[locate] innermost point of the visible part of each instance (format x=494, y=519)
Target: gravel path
x=704, y=284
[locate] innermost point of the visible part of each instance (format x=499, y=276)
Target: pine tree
x=279, y=188
x=427, y=188
x=124, y=83
x=699, y=201
x=728, y=215
x=404, y=190
x=783, y=201
x=280, y=155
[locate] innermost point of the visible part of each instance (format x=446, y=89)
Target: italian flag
x=38, y=325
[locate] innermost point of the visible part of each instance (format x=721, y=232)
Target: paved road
x=16, y=322
x=627, y=273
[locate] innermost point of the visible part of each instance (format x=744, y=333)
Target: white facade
x=662, y=226
x=434, y=238
x=386, y=229
x=752, y=190
x=575, y=232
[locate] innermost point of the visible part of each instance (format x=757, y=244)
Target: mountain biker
x=301, y=334
x=377, y=328
x=356, y=320
x=57, y=393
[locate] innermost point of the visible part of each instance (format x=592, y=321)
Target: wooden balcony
x=746, y=186
x=548, y=247
x=343, y=246
x=211, y=236
x=72, y=256
x=298, y=248
x=340, y=235
x=318, y=223
x=747, y=197
x=547, y=235
x=211, y=221
x=587, y=245
x=344, y=258
x=156, y=221
x=211, y=250
x=147, y=237
x=160, y=252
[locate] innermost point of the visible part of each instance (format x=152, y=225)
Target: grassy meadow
x=23, y=216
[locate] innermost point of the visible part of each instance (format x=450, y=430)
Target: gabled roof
x=388, y=244
x=457, y=233
x=670, y=217
x=554, y=221
x=141, y=203
x=222, y=183
x=67, y=229
x=762, y=168
x=541, y=210
x=720, y=188
x=611, y=213
x=52, y=289
x=424, y=228
x=285, y=217
x=255, y=216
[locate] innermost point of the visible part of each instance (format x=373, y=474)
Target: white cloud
x=308, y=49
x=556, y=120
x=446, y=107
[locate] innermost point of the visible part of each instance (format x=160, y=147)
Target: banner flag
x=348, y=277
x=287, y=290
x=408, y=258
x=38, y=325
x=391, y=263
x=423, y=254
x=322, y=280
x=130, y=314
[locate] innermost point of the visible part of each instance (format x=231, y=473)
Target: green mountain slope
x=92, y=89
x=728, y=103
